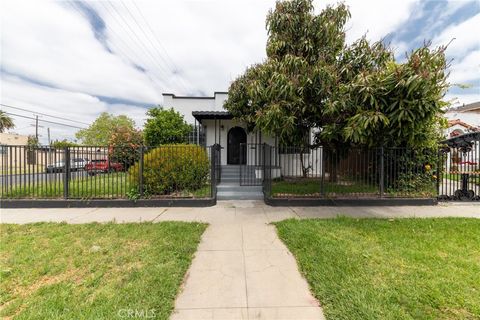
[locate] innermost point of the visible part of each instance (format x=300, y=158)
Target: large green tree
x=165, y=126
x=5, y=122
x=100, y=131
x=349, y=94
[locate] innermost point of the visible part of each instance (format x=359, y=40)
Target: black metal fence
x=170, y=171
x=459, y=177
x=192, y=171
x=295, y=172
x=251, y=164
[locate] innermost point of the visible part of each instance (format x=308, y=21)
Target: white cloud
x=79, y=107
x=211, y=43
x=375, y=18
x=48, y=42
x=465, y=35
x=462, y=98
x=466, y=70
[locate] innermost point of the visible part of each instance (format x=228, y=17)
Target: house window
x=3, y=149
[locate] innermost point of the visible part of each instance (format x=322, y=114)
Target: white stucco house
x=463, y=119
x=238, y=145
x=217, y=125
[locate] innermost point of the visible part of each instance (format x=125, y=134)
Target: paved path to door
x=241, y=269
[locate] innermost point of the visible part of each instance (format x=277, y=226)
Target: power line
x=42, y=114
x=147, y=50
x=119, y=23
x=158, y=82
x=32, y=118
x=175, y=68
x=156, y=38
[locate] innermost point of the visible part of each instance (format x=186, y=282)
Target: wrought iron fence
x=251, y=164
x=114, y=172
x=295, y=172
x=459, y=177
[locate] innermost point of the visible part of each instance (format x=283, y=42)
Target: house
x=241, y=153
x=463, y=119
x=13, y=139
x=457, y=127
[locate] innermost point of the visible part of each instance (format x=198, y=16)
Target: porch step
x=233, y=191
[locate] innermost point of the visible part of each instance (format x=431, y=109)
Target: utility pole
x=36, y=127
x=48, y=131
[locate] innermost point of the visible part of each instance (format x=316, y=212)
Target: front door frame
x=229, y=147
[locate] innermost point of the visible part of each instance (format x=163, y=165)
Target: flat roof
x=194, y=97
x=201, y=115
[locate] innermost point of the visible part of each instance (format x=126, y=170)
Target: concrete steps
x=230, y=188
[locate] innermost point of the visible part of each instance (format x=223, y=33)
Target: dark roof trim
x=203, y=115
x=192, y=97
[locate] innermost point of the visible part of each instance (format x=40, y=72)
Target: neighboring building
x=463, y=119
x=457, y=127
x=13, y=139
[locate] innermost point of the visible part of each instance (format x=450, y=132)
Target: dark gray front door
x=236, y=136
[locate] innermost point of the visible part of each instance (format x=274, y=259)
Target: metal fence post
x=140, y=172
x=382, y=171
x=66, y=175
x=439, y=170
x=322, y=180
x=263, y=162
x=213, y=178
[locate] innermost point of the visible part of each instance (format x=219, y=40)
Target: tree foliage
x=350, y=94
x=124, y=145
x=59, y=144
x=101, y=130
x=165, y=126
x=6, y=122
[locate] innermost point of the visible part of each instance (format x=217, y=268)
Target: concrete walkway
x=241, y=269
x=225, y=209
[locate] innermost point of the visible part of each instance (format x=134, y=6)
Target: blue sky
x=76, y=59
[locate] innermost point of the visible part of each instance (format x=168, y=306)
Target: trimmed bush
x=172, y=168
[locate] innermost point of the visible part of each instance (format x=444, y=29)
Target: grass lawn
x=389, y=269
x=111, y=185
x=473, y=178
x=93, y=271
x=29, y=168
x=313, y=187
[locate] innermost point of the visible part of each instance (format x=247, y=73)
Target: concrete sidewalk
x=241, y=269
x=220, y=212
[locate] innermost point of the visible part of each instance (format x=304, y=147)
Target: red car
x=102, y=165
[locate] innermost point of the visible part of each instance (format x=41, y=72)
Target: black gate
x=251, y=164
x=459, y=174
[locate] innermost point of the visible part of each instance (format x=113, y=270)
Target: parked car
x=78, y=163
x=58, y=166
x=75, y=165
x=103, y=165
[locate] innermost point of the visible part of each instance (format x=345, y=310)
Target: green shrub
x=173, y=168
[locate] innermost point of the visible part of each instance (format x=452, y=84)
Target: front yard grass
x=312, y=187
x=389, y=269
x=93, y=271
x=101, y=186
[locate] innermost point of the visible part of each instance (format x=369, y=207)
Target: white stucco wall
x=186, y=105
x=220, y=136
